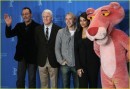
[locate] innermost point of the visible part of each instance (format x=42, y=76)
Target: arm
x=58, y=46
x=124, y=40
x=128, y=54
x=96, y=49
x=77, y=54
x=9, y=33
x=76, y=51
x=36, y=37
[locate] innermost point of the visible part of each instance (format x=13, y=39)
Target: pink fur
x=110, y=44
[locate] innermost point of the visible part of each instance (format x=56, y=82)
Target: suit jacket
x=25, y=48
x=46, y=48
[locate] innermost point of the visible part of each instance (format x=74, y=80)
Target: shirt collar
x=48, y=26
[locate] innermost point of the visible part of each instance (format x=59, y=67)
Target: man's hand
x=64, y=63
x=8, y=19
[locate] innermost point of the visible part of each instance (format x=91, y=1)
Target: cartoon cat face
x=103, y=21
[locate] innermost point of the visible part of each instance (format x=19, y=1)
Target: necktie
x=47, y=33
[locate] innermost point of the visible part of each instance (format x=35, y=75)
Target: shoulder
x=61, y=31
x=56, y=26
x=38, y=28
x=20, y=23
x=118, y=33
x=78, y=33
x=35, y=23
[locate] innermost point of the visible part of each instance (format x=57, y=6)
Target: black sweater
x=25, y=48
x=85, y=56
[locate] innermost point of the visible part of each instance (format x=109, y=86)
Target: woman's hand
x=79, y=72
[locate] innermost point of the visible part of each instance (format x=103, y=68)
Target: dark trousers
x=21, y=74
x=89, y=78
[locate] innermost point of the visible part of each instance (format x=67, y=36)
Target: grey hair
x=47, y=11
x=70, y=13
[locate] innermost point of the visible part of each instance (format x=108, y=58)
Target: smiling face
x=70, y=20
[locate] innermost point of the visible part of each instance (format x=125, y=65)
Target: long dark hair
x=84, y=15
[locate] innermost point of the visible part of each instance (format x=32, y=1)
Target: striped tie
x=47, y=33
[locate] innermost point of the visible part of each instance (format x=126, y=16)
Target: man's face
x=69, y=19
x=47, y=18
x=26, y=15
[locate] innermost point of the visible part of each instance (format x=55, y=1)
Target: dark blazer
x=85, y=56
x=46, y=48
x=25, y=48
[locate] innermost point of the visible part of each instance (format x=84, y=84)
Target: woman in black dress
x=86, y=61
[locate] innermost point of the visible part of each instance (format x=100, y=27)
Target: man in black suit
x=25, y=49
x=45, y=36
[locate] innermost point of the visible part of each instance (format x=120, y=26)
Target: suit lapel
x=42, y=32
x=52, y=33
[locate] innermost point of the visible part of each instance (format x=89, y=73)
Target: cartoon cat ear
x=90, y=11
x=114, y=5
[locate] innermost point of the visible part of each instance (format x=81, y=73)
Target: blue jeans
x=21, y=74
x=66, y=75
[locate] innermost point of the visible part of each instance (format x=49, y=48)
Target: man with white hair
x=45, y=36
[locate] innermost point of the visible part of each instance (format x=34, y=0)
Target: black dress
x=86, y=59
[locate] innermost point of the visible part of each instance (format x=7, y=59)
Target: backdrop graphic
x=59, y=8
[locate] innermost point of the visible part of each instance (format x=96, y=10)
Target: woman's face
x=83, y=22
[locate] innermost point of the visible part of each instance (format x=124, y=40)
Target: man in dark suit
x=25, y=49
x=45, y=36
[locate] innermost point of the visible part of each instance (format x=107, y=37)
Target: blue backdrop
x=59, y=8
